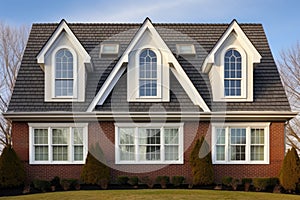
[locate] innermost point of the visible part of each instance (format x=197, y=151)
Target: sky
x=280, y=18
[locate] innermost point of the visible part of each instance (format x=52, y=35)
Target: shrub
x=227, y=180
x=41, y=185
x=68, y=184
x=55, y=182
x=12, y=173
x=261, y=184
x=93, y=171
x=273, y=181
x=200, y=160
x=134, y=181
x=148, y=181
x=289, y=173
x=122, y=180
x=163, y=181
x=246, y=181
x=177, y=180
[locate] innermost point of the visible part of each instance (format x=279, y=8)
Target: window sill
x=241, y=162
x=57, y=163
x=180, y=162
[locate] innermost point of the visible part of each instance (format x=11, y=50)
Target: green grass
x=153, y=194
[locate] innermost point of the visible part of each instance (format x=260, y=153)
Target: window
x=64, y=73
x=109, y=49
x=58, y=144
x=148, y=74
x=236, y=143
x=149, y=144
x=186, y=49
x=232, y=73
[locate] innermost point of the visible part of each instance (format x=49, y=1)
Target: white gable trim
x=236, y=29
x=63, y=26
x=116, y=74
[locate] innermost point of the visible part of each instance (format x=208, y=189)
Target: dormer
x=230, y=66
x=148, y=68
x=65, y=64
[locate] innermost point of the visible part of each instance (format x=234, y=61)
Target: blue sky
x=280, y=18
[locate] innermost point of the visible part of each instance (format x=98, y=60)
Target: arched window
x=64, y=76
x=148, y=73
x=232, y=73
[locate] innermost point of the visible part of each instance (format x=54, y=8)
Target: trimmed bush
x=94, y=171
x=246, y=180
x=148, y=181
x=12, y=173
x=163, y=181
x=261, y=184
x=177, y=180
x=289, y=173
x=122, y=180
x=41, y=185
x=68, y=184
x=227, y=180
x=55, y=182
x=201, y=163
x=134, y=181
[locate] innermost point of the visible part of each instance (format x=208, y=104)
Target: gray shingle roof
x=28, y=95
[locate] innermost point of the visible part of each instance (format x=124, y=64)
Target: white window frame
x=75, y=92
x=192, y=48
x=245, y=84
x=49, y=127
x=160, y=126
x=248, y=127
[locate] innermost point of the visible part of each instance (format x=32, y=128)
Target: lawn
x=153, y=194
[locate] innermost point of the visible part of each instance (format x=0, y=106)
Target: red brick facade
x=103, y=134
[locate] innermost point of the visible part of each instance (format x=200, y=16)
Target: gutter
x=157, y=116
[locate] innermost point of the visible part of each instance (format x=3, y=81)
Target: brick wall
x=102, y=135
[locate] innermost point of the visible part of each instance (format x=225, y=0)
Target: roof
x=28, y=95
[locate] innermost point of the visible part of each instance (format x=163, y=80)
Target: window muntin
x=148, y=74
x=238, y=144
x=232, y=73
x=64, y=73
x=56, y=145
x=151, y=145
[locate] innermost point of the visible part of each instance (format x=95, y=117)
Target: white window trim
x=244, y=80
x=159, y=74
x=248, y=126
x=152, y=125
x=53, y=75
x=50, y=126
x=193, y=51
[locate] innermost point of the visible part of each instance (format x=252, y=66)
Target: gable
x=146, y=36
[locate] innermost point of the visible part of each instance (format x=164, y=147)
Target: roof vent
x=185, y=49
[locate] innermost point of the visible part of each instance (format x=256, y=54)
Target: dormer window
x=232, y=73
x=148, y=74
x=64, y=73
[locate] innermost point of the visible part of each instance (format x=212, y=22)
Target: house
x=138, y=96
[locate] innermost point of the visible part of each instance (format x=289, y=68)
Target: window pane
x=60, y=136
x=238, y=152
x=220, y=152
x=238, y=143
x=171, y=136
x=78, y=136
x=257, y=152
x=78, y=153
x=40, y=136
x=220, y=136
x=149, y=140
x=41, y=153
x=257, y=136
x=126, y=136
x=60, y=153
x=127, y=152
x=63, y=87
x=171, y=153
